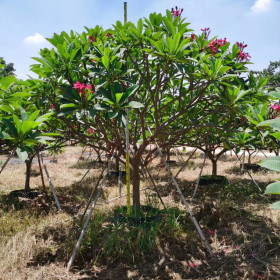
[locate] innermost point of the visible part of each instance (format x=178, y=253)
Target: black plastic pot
x=25, y=194
x=116, y=173
x=251, y=166
x=146, y=217
x=171, y=162
x=207, y=180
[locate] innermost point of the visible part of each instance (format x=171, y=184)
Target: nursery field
x=37, y=240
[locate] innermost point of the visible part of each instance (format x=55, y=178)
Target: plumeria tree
x=165, y=77
x=22, y=125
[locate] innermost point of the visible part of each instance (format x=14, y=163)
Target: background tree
x=6, y=69
x=272, y=74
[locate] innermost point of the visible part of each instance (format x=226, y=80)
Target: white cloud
x=261, y=6
x=36, y=39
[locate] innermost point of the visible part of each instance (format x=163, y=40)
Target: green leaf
x=140, y=26
x=275, y=205
x=128, y=93
x=274, y=123
x=23, y=114
x=69, y=105
x=276, y=135
x=27, y=127
x=100, y=107
x=273, y=188
x=106, y=62
x=134, y=104
x=6, y=82
x=112, y=114
x=44, y=117
x=34, y=115
x=272, y=163
x=275, y=94
x=22, y=154
x=118, y=97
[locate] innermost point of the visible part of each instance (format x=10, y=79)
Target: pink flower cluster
x=193, y=38
x=90, y=131
x=275, y=106
x=214, y=45
x=274, y=110
x=206, y=32
x=92, y=39
x=242, y=56
x=176, y=12
x=80, y=88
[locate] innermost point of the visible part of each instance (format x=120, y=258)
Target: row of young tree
x=178, y=88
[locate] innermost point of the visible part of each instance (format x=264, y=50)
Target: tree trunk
x=249, y=156
x=214, y=166
x=117, y=162
x=28, y=163
x=168, y=154
x=136, y=186
x=97, y=151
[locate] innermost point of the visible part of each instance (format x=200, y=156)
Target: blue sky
x=25, y=23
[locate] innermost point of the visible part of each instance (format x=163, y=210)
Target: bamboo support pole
x=41, y=171
x=184, y=201
x=78, y=244
x=50, y=183
x=249, y=173
x=7, y=160
x=92, y=194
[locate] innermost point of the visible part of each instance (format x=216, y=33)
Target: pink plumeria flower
x=274, y=106
x=82, y=86
x=90, y=131
x=89, y=87
x=176, y=12
x=192, y=264
x=227, y=250
x=77, y=85
x=193, y=37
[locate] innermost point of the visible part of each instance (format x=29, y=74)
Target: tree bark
x=168, y=153
x=28, y=163
x=117, y=162
x=214, y=166
x=136, y=186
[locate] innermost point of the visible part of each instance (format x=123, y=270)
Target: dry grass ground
x=36, y=240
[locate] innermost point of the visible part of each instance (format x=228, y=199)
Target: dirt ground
x=36, y=240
